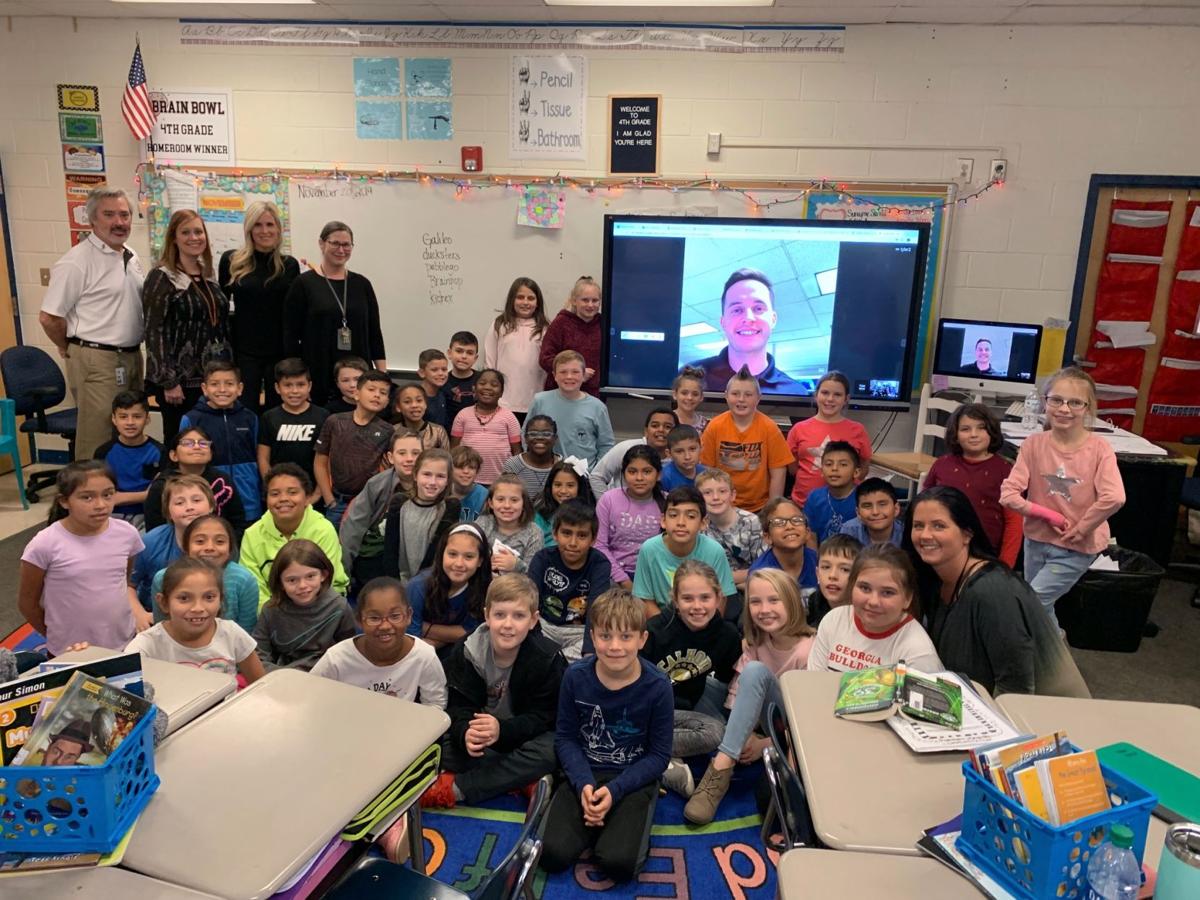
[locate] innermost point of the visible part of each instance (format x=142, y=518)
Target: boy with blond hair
x=584, y=429
x=503, y=693
x=615, y=726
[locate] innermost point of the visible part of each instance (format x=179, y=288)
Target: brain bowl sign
x=193, y=126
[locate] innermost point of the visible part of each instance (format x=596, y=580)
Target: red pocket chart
x=1183, y=308
x=1173, y=408
x=1138, y=228
x=1189, y=243
x=1125, y=291
x=1115, y=366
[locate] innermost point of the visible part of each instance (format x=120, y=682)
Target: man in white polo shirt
x=93, y=314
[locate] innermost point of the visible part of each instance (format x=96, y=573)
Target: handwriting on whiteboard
x=443, y=267
x=327, y=190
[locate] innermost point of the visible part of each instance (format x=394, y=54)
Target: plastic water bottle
x=1030, y=413
x=1113, y=872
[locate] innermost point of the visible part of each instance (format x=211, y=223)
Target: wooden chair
x=913, y=467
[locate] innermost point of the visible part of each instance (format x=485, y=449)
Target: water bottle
x=1030, y=413
x=1113, y=872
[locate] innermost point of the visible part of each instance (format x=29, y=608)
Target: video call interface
x=841, y=296
x=987, y=350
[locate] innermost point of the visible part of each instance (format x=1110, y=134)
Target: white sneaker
x=678, y=777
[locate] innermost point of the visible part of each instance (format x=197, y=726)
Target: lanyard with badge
x=343, y=333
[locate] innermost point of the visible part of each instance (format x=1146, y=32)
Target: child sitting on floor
x=509, y=521
x=739, y=533
x=503, y=696
x=193, y=632
x=835, y=559
x=305, y=615
x=472, y=497
x=211, y=539
x=447, y=599
x=567, y=480
x=185, y=499
x=613, y=740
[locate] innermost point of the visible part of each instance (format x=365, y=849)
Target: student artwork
x=377, y=77
x=220, y=199
x=376, y=120
x=542, y=207
x=430, y=120
x=427, y=77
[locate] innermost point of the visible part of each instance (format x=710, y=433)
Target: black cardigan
x=312, y=319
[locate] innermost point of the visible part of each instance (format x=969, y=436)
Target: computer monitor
x=987, y=357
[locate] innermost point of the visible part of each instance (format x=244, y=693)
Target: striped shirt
x=491, y=438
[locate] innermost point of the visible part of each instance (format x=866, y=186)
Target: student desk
x=1168, y=730
x=866, y=790
x=808, y=874
x=255, y=789
x=108, y=882
x=182, y=692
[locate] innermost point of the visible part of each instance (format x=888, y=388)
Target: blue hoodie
x=234, y=433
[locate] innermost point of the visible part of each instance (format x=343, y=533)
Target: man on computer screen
x=983, y=360
x=747, y=317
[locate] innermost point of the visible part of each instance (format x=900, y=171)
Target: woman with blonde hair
x=187, y=318
x=256, y=278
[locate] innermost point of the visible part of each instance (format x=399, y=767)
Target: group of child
x=612, y=612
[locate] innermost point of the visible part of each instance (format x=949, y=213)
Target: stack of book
x=1045, y=776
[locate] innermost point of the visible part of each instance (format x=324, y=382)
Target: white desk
x=1168, y=730
x=807, y=874
x=252, y=791
x=109, y=883
x=182, y=692
x=866, y=790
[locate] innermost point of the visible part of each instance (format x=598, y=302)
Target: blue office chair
x=9, y=445
x=36, y=384
x=789, y=801
x=512, y=879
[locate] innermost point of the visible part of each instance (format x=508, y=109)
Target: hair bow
x=579, y=465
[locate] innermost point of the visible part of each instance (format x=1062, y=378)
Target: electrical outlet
x=714, y=142
x=999, y=170
x=966, y=167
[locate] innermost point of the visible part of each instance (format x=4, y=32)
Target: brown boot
x=702, y=807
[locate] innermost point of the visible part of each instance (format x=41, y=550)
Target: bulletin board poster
x=898, y=207
x=193, y=127
x=221, y=200
x=547, y=106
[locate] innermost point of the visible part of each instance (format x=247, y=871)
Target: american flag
x=135, y=102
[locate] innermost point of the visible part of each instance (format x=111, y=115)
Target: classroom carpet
x=724, y=859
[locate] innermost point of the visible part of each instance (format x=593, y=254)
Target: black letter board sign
x=633, y=134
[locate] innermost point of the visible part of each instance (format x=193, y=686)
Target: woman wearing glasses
x=190, y=453
x=1066, y=485
x=256, y=278
x=332, y=313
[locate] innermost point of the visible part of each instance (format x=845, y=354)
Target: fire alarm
x=472, y=159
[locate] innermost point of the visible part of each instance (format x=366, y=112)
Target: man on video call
x=747, y=317
x=983, y=360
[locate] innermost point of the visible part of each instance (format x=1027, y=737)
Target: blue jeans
x=335, y=512
x=1052, y=571
x=757, y=686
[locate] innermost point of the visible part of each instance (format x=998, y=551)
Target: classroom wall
x=1063, y=102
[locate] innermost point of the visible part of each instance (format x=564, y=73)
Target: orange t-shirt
x=748, y=456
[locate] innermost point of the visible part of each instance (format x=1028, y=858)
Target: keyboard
x=1016, y=409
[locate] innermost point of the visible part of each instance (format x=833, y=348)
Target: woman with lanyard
x=256, y=278
x=331, y=313
x=985, y=622
x=187, y=319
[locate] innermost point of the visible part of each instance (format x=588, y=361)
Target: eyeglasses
x=1074, y=404
x=539, y=434
x=339, y=245
x=791, y=520
x=195, y=444
x=375, y=620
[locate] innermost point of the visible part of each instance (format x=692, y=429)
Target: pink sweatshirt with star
x=1083, y=484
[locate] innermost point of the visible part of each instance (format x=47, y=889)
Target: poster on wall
x=194, y=126
x=547, y=105
x=221, y=200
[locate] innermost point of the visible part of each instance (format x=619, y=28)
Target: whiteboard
x=442, y=262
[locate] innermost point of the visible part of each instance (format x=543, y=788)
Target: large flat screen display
x=790, y=298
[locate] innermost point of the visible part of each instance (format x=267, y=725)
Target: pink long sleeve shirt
x=1083, y=484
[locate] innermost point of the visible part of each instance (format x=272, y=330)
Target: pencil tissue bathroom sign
x=547, y=106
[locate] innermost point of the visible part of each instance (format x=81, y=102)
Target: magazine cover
x=88, y=722
x=21, y=700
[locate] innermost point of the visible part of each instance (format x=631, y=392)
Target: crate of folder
x=1034, y=858
x=48, y=804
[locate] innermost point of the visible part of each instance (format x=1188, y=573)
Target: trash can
x=1109, y=610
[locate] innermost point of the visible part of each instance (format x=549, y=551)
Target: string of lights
x=590, y=186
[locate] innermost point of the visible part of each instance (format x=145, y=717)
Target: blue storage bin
x=78, y=809
x=1031, y=857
